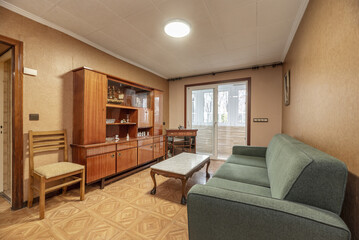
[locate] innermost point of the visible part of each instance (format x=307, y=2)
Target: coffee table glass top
x=181, y=164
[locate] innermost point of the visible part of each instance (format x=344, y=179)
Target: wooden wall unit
x=104, y=159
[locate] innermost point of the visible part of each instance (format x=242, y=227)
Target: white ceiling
x=225, y=35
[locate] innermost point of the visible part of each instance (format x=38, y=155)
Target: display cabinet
x=115, y=129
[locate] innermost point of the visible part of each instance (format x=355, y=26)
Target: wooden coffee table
x=181, y=166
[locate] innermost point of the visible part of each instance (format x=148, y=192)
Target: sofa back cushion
x=285, y=164
x=298, y=172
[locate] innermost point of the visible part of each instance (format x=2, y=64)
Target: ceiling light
x=177, y=28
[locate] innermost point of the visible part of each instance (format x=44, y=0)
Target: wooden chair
x=40, y=142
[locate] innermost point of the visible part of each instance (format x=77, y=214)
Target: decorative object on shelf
x=120, y=95
x=109, y=121
x=109, y=139
x=110, y=92
x=180, y=127
x=127, y=137
x=287, y=88
x=117, y=137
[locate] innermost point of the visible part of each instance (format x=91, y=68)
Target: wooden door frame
x=248, y=79
x=17, y=122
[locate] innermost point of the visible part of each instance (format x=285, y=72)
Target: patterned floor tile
x=129, y=194
x=128, y=236
x=59, y=214
x=168, y=209
x=22, y=231
x=126, y=216
x=176, y=232
x=181, y=216
x=150, y=226
x=123, y=210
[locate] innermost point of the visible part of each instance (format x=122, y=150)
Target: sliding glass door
x=219, y=112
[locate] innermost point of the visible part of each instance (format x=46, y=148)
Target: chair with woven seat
x=69, y=173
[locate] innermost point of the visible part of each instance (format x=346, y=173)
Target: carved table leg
x=207, y=174
x=153, y=191
x=184, y=183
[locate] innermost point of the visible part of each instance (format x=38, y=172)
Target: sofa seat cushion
x=239, y=187
x=248, y=160
x=245, y=174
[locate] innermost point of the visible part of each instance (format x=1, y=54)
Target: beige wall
x=324, y=64
x=266, y=98
x=54, y=54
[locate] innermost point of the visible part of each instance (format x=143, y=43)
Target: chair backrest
x=46, y=141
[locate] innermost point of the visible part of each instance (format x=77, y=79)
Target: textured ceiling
x=226, y=34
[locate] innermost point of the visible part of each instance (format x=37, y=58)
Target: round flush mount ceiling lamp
x=177, y=28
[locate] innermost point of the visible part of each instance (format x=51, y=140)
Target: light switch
x=34, y=117
x=260, y=119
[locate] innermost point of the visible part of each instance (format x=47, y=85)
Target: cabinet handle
x=119, y=154
x=151, y=147
x=113, y=155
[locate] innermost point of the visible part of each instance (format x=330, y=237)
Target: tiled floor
x=123, y=210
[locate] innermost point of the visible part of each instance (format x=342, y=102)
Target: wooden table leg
x=153, y=191
x=184, y=183
x=207, y=174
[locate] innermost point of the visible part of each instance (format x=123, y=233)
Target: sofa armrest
x=249, y=151
x=215, y=213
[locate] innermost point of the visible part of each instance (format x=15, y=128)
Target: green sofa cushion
x=330, y=174
x=301, y=173
x=248, y=160
x=245, y=174
x=239, y=186
x=286, y=168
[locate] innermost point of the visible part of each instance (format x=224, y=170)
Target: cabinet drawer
x=126, y=159
x=145, y=142
x=145, y=154
x=100, y=166
x=126, y=145
x=100, y=150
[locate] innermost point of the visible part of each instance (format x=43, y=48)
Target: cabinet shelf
x=109, y=105
x=114, y=124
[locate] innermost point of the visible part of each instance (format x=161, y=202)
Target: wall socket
x=34, y=117
x=260, y=119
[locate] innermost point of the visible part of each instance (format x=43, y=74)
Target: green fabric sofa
x=286, y=191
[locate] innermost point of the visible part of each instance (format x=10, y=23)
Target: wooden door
x=158, y=112
x=145, y=117
x=145, y=154
x=100, y=166
x=95, y=95
x=158, y=149
x=126, y=159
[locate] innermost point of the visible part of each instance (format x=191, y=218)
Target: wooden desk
x=180, y=140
